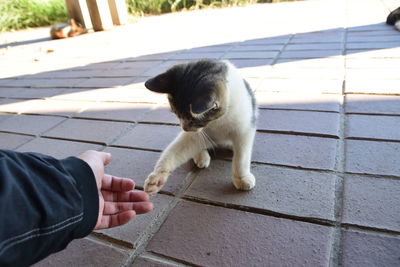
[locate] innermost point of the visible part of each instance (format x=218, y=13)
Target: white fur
x=233, y=130
x=397, y=25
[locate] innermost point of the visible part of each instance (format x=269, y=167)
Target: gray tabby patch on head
x=196, y=91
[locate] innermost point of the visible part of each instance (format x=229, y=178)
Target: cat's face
x=196, y=92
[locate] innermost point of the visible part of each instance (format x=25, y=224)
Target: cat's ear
x=160, y=84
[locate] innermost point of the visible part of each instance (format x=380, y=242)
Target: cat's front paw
x=155, y=182
x=202, y=160
x=246, y=182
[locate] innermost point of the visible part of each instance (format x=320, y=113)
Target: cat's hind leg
x=202, y=159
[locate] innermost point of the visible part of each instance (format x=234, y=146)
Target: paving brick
x=149, y=136
x=302, y=85
x=372, y=45
x=146, y=261
x=124, y=94
x=302, y=101
x=57, y=148
x=48, y=106
x=372, y=202
x=294, y=150
x=88, y=130
x=9, y=92
x=316, y=39
x=161, y=114
x=12, y=141
x=374, y=74
x=13, y=105
x=251, y=55
x=299, y=122
x=375, y=127
x=373, y=104
x=137, y=64
x=138, y=164
x=287, y=191
x=211, y=48
x=372, y=63
x=212, y=237
x=162, y=67
x=115, y=111
x=373, y=86
x=325, y=46
x=292, y=73
x=310, y=54
x=268, y=40
x=253, y=67
x=365, y=39
x=46, y=83
x=370, y=249
x=103, y=82
x=27, y=93
x=373, y=157
x=29, y=124
x=275, y=47
x=84, y=252
x=197, y=55
x=313, y=63
x=373, y=53
x=135, y=229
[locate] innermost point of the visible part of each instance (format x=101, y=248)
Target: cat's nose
x=188, y=128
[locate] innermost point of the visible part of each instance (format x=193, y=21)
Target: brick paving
x=326, y=155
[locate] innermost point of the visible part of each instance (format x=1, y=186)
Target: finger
x=111, y=208
x=113, y=183
x=105, y=157
x=131, y=196
x=108, y=221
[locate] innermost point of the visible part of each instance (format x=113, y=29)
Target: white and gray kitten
x=216, y=108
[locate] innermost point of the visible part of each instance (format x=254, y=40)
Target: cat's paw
x=246, y=182
x=202, y=160
x=155, y=182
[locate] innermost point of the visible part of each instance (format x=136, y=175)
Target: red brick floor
x=327, y=151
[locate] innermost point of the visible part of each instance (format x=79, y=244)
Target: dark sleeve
x=44, y=204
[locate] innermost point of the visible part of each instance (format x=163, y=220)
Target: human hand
x=118, y=204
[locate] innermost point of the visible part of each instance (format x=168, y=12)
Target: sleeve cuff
x=86, y=184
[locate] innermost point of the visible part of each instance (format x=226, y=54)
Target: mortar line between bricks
x=336, y=249
x=299, y=109
x=373, y=114
x=373, y=139
x=254, y=210
x=296, y=133
x=168, y=260
x=371, y=229
x=371, y=93
x=157, y=222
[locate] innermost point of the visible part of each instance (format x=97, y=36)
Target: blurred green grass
x=21, y=14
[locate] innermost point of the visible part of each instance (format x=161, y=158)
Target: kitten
x=216, y=108
x=394, y=18
x=64, y=30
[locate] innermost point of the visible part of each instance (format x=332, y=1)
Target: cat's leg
x=185, y=146
x=202, y=159
x=242, y=178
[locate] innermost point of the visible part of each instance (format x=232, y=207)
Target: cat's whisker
x=212, y=142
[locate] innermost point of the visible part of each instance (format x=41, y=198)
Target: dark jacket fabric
x=44, y=204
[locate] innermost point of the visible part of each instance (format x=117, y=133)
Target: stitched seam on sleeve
x=39, y=232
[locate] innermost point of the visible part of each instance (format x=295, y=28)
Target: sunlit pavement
x=326, y=75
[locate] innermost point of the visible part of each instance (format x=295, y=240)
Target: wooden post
x=78, y=10
x=119, y=12
x=100, y=13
